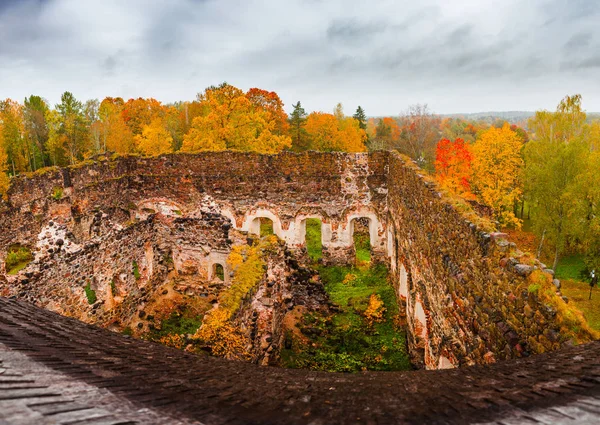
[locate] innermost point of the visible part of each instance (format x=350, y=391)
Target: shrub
x=375, y=310
x=17, y=259
x=221, y=337
x=57, y=193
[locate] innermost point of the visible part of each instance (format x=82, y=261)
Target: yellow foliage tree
x=497, y=166
x=4, y=179
x=328, y=133
x=232, y=121
x=155, y=139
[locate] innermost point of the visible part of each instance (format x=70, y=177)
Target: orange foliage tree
x=453, y=166
x=115, y=135
x=270, y=102
x=140, y=112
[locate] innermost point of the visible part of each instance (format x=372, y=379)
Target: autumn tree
x=458, y=128
x=140, y=112
x=90, y=113
x=115, y=134
x=497, y=164
x=587, y=209
x=297, y=121
x=326, y=132
x=557, y=160
x=387, y=134
x=56, y=145
x=453, y=166
x=270, y=102
x=233, y=121
x=4, y=179
x=155, y=139
x=420, y=134
x=13, y=135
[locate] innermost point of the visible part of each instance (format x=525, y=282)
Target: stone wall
x=288, y=189
x=467, y=301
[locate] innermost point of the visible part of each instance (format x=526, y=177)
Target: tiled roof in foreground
x=56, y=370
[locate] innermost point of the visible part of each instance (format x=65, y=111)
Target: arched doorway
x=218, y=272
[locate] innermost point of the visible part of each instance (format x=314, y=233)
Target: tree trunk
x=555, y=259
x=522, y=208
x=539, y=250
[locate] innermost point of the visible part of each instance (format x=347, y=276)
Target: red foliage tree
x=453, y=166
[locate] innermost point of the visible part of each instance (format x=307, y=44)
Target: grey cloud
x=379, y=54
x=579, y=41
x=352, y=30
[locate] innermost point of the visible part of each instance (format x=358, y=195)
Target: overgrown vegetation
x=217, y=334
x=266, y=227
x=57, y=193
x=135, y=270
x=174, y=330
x=17, y=258
x=90, y=293
x=573, y=324
x=365, y=334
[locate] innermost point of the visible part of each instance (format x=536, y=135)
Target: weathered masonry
x=464, y=302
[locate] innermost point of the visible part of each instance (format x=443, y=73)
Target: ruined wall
x=288, y=188
x=467, y=301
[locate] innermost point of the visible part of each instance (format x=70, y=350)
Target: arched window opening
x=266, y=227
x=313, y=238
x=218, y=272
x=362, y=239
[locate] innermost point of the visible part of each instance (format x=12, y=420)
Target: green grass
x=578, y=293
x=266, y=227
x=219, y=272
x=362, y=245
x=343, y=342
x=314, y=245
x=570, y=267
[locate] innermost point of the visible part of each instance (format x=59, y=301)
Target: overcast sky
x=454, y=55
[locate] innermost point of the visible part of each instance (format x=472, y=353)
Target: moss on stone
x=90, y=293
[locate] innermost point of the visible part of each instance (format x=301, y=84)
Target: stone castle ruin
x=123, y=228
